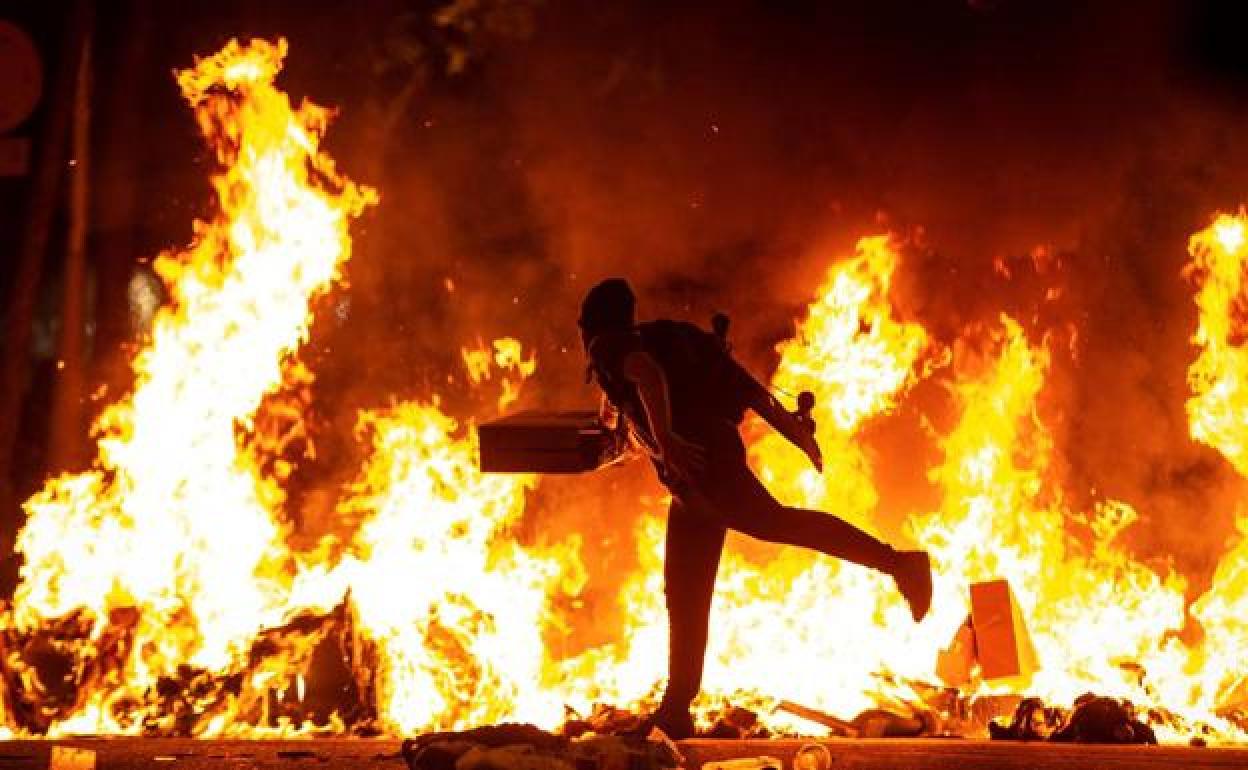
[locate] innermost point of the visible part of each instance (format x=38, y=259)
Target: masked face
x=608, y=306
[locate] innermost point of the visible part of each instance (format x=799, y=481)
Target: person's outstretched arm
x=800, y=434
x=682, y=458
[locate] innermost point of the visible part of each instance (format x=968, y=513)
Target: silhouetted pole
x=50, y=162
x=66, y=431
x=119, y=83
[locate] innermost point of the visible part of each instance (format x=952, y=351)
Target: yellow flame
x=1218, y=407
x=454, y=604
x=857, y=360
x=1002, y=515
x=173, y=519
x=507, y=354
x=1218, y=416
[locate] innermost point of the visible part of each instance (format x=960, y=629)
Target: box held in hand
x=548, y=442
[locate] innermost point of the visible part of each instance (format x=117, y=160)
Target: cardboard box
x=955, y=665
x=547, y=442
x=1002, y=644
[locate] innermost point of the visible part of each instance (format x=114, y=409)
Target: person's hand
x=682, y=459
x=805, y=440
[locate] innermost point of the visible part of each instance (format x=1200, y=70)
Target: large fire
x=161, y=594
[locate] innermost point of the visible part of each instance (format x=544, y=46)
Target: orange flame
x=1088, y=610
x=455, y=607
x=1219, y=403
x=858, y=361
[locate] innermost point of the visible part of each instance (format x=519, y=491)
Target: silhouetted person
x=683, y=396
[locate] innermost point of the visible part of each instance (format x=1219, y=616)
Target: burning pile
x=161, y=594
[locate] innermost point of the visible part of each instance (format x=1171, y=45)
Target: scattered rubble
x=47, y=674
x=525, y=747
x=1093, y=719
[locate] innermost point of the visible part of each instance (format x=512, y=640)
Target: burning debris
x=1093, y=719
x=305, y=672
x=872, y=723
x=992, y=643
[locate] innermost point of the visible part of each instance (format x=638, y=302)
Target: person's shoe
x=676, y=725
x=914, y=580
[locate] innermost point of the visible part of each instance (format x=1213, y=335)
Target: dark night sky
x=721, y=154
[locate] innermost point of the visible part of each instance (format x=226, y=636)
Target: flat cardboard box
x=547, y=442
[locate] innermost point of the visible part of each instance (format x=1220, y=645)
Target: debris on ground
x=603, y=720
x=886, y=723
x=745, y=763
x=836, y=725
x=812, y=756
x=737, y=723
x=525, y=747
x=1032, y=721
x=1093, y=719
x=1097, y=719
x=872, y=723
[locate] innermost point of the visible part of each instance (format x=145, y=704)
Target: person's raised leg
x=748, y=507
x=690, y=562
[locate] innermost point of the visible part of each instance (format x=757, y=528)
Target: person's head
x=609, y=306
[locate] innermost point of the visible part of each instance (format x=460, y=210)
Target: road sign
x=21, y=76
